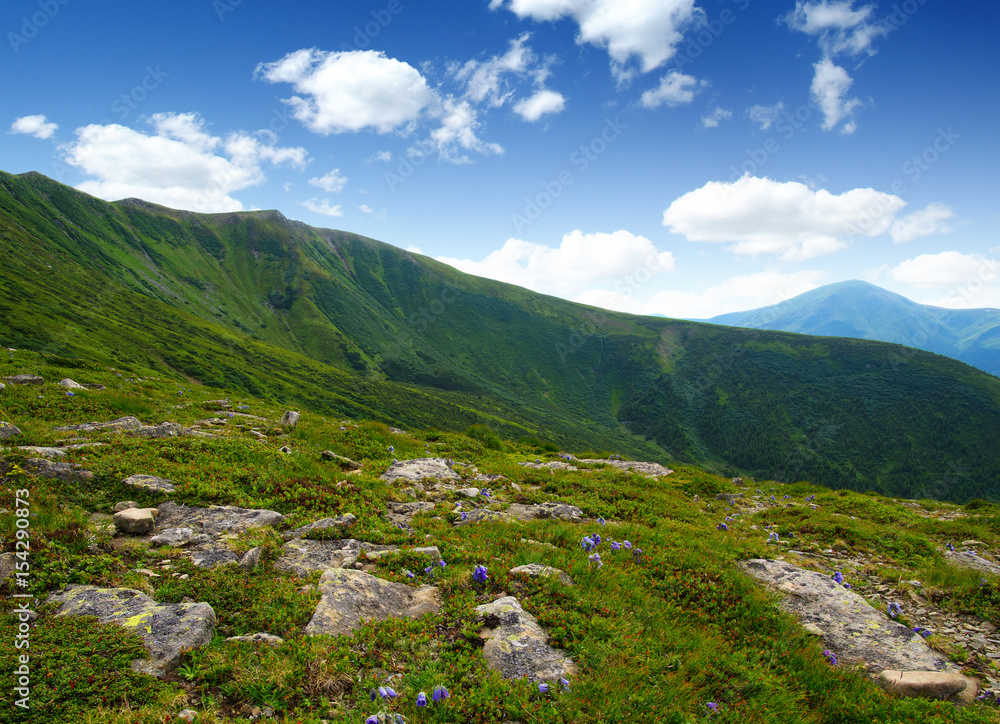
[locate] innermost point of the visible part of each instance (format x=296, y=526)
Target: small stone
x=969, y=543
x=251, y=559
x=285, y=449
x=135, y=521
x=70, y=384
x=8, y=431
x=341, y=460
x=258, y=638
x=538, y=570
x=188, y=715
x=149, y=482
x=924, y=684
x=290, y=419
x=468, y=492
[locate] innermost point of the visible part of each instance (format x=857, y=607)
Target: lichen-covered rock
x=852, y=629
x=350, y=597
x=929, y=685
x=341, y=521
x=215, y=518
x=970, y=559
x=345, y=463
x=518, y=511
x=166, y=630
x=211, y=555
x=251, y=559
x=8, y=431
x=170, y=429
x=23, y=380
x=290, y=419
x=67, y=472
x=304, y=556
x=120, y=424
x=650, y=469
x=45, y=452
x=554, y=465
x=517, y=646
x=150, y=482
x=135, y=521
x=258, y=638
x=178, y=537
x=537, y=570
x=70, y=384
x=420, y=469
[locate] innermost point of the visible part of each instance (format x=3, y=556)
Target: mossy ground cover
x=657, y=634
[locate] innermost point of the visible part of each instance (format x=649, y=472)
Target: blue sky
x=676, y=157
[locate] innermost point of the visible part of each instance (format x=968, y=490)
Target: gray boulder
x=350, y=597
x=178, y=537
x=170, y=429
x=927, y=684
x=852, y=628
x=251, y=559
x=302, y=557
x=166, y=630
x=135, y=521
x=120, y=424
x=215, y=518
x=150, y=482
x=67, y=472
x=419, y=469
x=8, y=431
x=517, y=646
x=290, y=419
x=345, y=463
x=45, y=452
x=969, y=559
x=70, y=384
x=211, y=555
x=537, y=570
x=258, y=638
x=650, y=469
x=341, y=521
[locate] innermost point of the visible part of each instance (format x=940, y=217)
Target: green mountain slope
x=346, y=325
x=864, y=311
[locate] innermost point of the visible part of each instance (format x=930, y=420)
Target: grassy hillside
x=657, y=635
x=351, y=326
x=864, y=311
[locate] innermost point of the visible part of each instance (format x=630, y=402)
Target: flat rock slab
x=166, y=630
x=537, y=570
x=969, y=559
x=8, y=431
x=67, y=472
x=346, y=463
x=304, y=556
x=554, y=465
x=179, y=537
x=350, y=597
x=258, y=638
x=420, y=469
x=170, y=429
x=44, y=452
x=925, y=684
x=342, y=521
x=120, y=424
x=517, y=511
x=517, y=646
x=22, y=380
x=135, y=521
x=633, y=466
x=851, y=627
x=211, y=555
x=215, y=518
x=150, y=482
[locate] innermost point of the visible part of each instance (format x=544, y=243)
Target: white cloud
x=829, y=86
x=839, y=27
x=457, y=133
x=487, y=81
x=414, y=249
x=379, y=157
x=648, y=30
x=789, y=220
x=580, y=261
x=675, y=89
x=179, y=165
x=350, y=91
x=332, y=182
x=542, y=102
x=365, y=209
x=735, y=294
x=922, y=223
x=712, y=119
x=946, y=269
x=38, y=126
x=764, y=116
x=322, y=206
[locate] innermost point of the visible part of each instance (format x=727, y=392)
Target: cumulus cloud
x=38, y=126
x=338, y=92
x=332, y=182
x=180, y=164
x=457, y=133
x=764, y=116
x=829, y=87
x=365, y=209
x=322, y=206
x=946, y=269
x=538, y=105
x=580, y=261
x=675, y=89
x=922, y=223
x=713, y=119
x=379, y=157
x=735, y=294
x=489, y=81
x=646, y=30
x=789, y=220
x=840, y=29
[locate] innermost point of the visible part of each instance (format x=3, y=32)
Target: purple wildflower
x=440, y=693
x=543, y=687
x=421, y=699
x=479, y=574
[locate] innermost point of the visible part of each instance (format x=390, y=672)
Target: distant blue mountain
x=864, y=311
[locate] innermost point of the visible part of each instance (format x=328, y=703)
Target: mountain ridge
x=862, y=310
x=344, y=324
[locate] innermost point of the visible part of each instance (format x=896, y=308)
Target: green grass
x=656, y=636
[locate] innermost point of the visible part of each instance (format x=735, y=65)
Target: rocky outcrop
x=350, y=597
x=537, y=570
x=852, y=629
x=170, y=429
x=44, y=452
x=258, y=638
x=290, y=419
x=210, y=555
x=341, y=521
x=150, y=482
x=23, y=380
x=517, y=646
x=215, y=518
x=926, y=684
x=345, y=463
x=67, y=472
x=120, y=424
x=970, y=559
x=70, y=384
x=302, y=557
x=166, y=630
x=420, y=469
x=8, y=431
x=518, y=511
x=654, y=470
